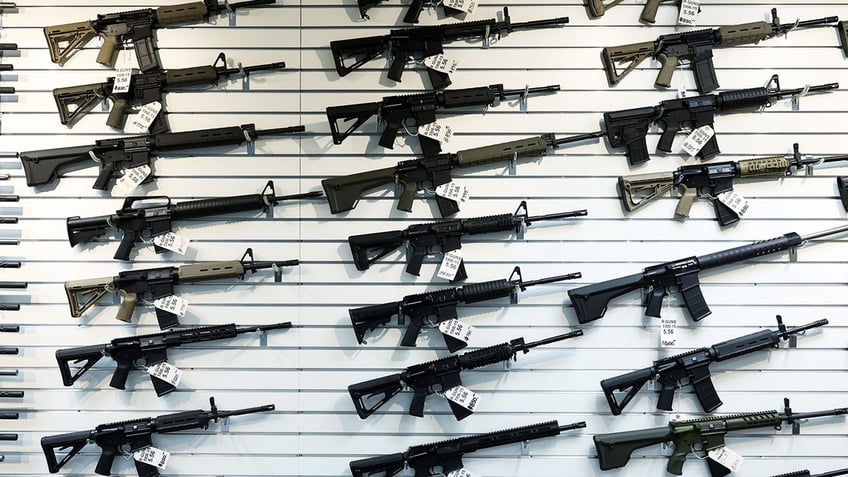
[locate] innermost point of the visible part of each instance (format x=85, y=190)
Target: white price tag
x=460, y=473
x=456, y=329
x=689, y=10
x=463, y=396
x=152, y=456
x=668, y=333
x=734, y=202
x=453, y=191
x=434, y=130
x=123, y=72
x=441, y=63
x=172, y=242
x=726, y=457
x=697, y=140
x=450, y=265
x=172, y=303
x=131, y=179
x=166, y=372
x=467, y=6
x=142, y=121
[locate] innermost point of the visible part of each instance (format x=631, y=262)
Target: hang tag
x=463, y=396
x=123, y=72
x=460, y=473
x=152, y=456
x=668, y=333
x=450, y=264
x=145, y=117
x=466, y=6
x=734, y=202
x=456, y=329
x=132, y=178
x=697, y=140
x=166, y=372
x=441, y=63
x=173, y=242
x=434, y=130
x=689, y=10
x=453, y=191
x=172, y=304
x=726, y=457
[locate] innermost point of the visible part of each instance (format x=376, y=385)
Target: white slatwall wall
x=305, y=370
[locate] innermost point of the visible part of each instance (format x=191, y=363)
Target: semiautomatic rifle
x=153, y=220
x=114, y=156
x=144, y=88
x=442, y=237
x=411, y=110
x=694, y=367
x=712, y=179
x=414, y=10
x=591, y=301
x=146, y=351
x=344, y=192
x=696, y=47
x=445, y=457
x=405, y=45
x=440, y=375
x=137, y=26
x=116, y=438
x=597, y=8
x=806, y=473
x=434, y=307
x=705, y=434
x=151, y=284
x=628, y=128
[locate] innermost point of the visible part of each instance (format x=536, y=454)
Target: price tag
x=453, y=191
x=434, y=130
x=726, y=457
x=734, y=202
x=460, y=473
x=441, y=63
x=131, y=179
x=689, y=10
x=456, y=329
x=697, y=140
x=450, y=265
x=166, y=372
x=152, y=456
x=145, y=117
x=668, y=333
x=123, y=72
x=463, y=396
x=467, y=6
x=172, y=303
x=172, y=242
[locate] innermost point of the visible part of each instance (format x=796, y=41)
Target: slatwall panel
x=305, y=371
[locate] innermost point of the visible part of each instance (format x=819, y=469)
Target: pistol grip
x=685, y=203
x=666, y=399
x=118, y=113
x=106, y=55
x=416, y=407
x=397, y=65
x=669, y=64
x=126, y=245
x=104, y=463
x=122, y=372
x=414, y=11
x=128, y=303
x=407, y=196
x=649, y=11
x=416, y=259
x=412, y=331
x=387, y=138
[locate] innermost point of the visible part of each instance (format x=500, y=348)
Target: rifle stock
x=344, y=192
x=76, y=441
x=358, y=113
x=368, y=248
x=381, y=389
x=614, y=450
x=630, y=55
x=89, y=354
x=386, y=465
x=632, y=382
x=71, y=35
x=80, y=98
x=590, y=302
x=368, y=318
x=42, y=167
x=360, y=50
x=638, y=189
x=83, y=294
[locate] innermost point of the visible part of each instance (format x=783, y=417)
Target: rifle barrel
x=552, y=339
x=792, y=92
x=580, y=137
x=537, y=89
x=574, y=425
x=807, y=415
x=537, y=23
x=252, y=266
x=275, y=131
x=561, y=215
x=803, y=328
x=248, y=410
x=248, y=3
x=825, y=233
x=275, y=326
x=558, y=278
x=306, y=195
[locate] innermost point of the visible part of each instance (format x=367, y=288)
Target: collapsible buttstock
x=83, y=294
x=368, y=248
x=359, y=50
x=87, y=354
x=368, y=318
x=69, y=35
x=73, y=440
x=368, y=396
x=590, y=302
x=639, y=189
x=630, y=383
x=81, y=98
x=386, y=465
x=629, y=56
x=106, y=55
x=343, y=193
x=614, y=449
x=358, y=113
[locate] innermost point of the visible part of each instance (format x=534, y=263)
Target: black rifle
x=137, y=26
x=344, y=192
x=150, y=349
x=590, y=302
x=439, y=375
x=711, y=179
x=115, y=155
x=75, y=101
x=434, y=307
x=156, y=220
x=417, y=109
x=694, y=366
x=408, y=44
x=806, y=473
x=154, y=283
x=628, y=128
x=116, y=438
x=704, y=434
x=444, y=236
x=412, y=13
x=696, y=47
x=447, y=455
